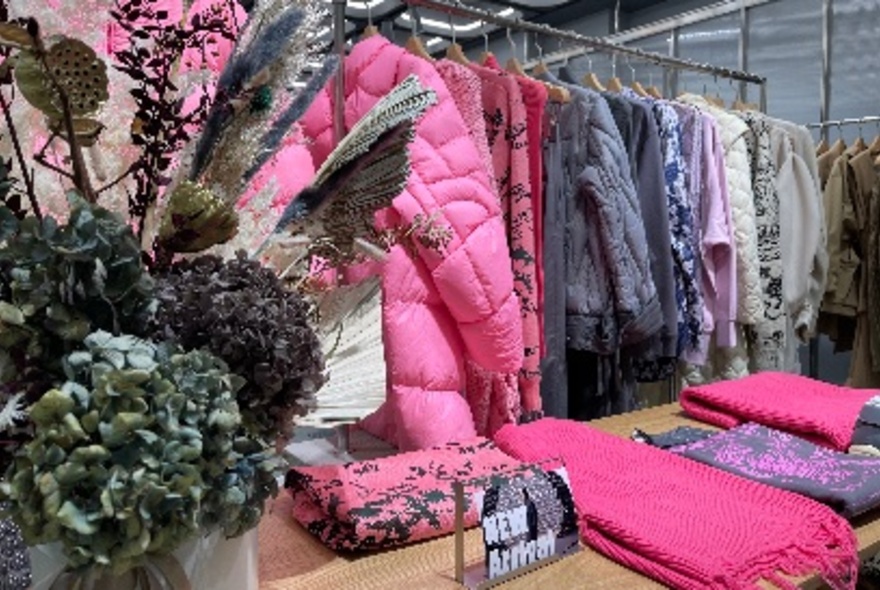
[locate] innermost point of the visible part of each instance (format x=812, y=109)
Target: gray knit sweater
x=611, y=300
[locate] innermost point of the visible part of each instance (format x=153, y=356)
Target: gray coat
x=611, y=300
x=638, y=129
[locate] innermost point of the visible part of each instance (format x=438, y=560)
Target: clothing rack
x=457, y=8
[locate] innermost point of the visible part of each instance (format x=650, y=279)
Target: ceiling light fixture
x=472, y=26
x=368, y=5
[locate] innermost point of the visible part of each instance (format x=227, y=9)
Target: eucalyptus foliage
x=140, y=450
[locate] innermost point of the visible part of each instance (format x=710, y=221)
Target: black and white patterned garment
x=15, y=564
x=767, y=338
x=689, y=298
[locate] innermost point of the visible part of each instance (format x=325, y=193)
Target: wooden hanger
x=822, y=147
x=540, y=69
x=614, y=85
x=514, y=67
x=857, y=147
x=555, y=93
x=455, y=53
x=486, y=55
x=714, y=100
x=634, y=84
x=592, y=81
x=875, y=145
x=369, y=31
x=639, y=89
x=654, y=92
x=414, y=45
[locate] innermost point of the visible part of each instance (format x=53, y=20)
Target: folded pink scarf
x=683, y=523
x=821, y=412
x=393, y=500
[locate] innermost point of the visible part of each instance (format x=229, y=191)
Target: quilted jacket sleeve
x=739, y=188
x=607, y=183
x=449, y=184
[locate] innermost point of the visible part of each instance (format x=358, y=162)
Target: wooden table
x=291, y=558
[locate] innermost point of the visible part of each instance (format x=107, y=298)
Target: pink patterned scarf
x=683, y=523
x=821, y=412
x=391, y=501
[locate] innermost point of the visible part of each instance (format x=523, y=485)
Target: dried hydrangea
x=58, y=283
x=240, y=311
x=138, y=452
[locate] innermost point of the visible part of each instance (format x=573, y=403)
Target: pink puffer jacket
x=438, y=307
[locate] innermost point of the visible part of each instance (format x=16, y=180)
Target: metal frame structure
x=458, y=8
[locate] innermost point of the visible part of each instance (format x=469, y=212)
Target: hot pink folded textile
x=393, y=500
x=821, y=412
x=683, y=523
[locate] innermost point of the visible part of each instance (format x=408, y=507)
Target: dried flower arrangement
x=144, y=381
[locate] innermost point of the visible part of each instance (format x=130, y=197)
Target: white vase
x=210, y=563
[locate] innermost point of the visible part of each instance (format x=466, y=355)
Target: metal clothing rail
x=457, y=8
x=842, y=122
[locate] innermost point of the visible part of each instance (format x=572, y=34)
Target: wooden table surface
x=291, y=558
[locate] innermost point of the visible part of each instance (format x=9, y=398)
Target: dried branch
x=19, y=154
x=119, y=179
x=40, y=158
x=152, y=62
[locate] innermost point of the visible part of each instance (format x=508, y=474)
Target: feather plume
x=271, y=140
x=406, y=102
x=365, y=172
x=262, y=52
x=243, y=72
x=249, y=137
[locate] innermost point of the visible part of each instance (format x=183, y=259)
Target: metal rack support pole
x=824, y=114
x=339, y=85
x=744, y=30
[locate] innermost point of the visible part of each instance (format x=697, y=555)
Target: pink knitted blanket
x=683, y=523
x=394, y=500
x=821, y=412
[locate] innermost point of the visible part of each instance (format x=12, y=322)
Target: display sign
x=527, y=519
